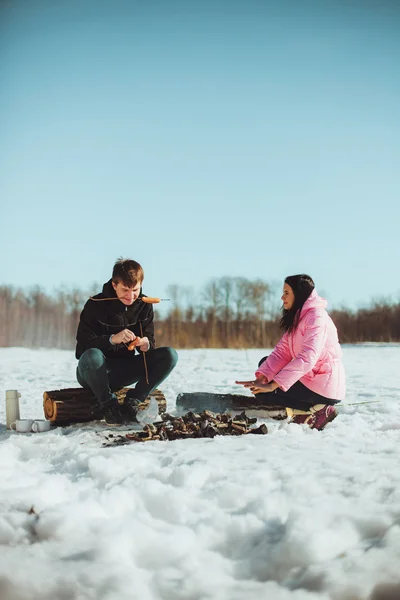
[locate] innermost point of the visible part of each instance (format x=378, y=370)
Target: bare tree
x=230, y=312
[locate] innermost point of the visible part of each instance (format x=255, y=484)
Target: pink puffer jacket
x=311, y=354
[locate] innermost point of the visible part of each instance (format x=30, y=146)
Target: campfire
x=192, y=425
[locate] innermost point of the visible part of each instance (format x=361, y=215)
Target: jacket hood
x=313, y=301
x=108, y=290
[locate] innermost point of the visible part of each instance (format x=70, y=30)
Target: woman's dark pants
x=105, y=375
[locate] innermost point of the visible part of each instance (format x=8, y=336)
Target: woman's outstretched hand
x=259, y=385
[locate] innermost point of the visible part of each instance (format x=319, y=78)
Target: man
x=109, y=323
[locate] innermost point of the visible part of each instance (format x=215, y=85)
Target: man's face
x=127, y=295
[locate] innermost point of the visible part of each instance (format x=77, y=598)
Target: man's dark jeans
x=104, y=375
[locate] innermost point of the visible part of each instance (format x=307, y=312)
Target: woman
x=304, y=372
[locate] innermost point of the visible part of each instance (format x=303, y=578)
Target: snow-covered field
x=295, y=514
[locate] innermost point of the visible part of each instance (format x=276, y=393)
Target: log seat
x=79, y=405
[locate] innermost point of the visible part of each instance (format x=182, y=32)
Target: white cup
x=22, y=425
x=40, y=425
x=28, y=425
x=12, y=407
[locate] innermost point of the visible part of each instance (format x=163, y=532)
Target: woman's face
x=287, y=297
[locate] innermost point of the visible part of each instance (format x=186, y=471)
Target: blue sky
x=203, y=139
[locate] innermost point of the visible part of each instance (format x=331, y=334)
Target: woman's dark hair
x=302, y=286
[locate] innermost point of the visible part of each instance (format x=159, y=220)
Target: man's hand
x=123, y=337
x=143, y=344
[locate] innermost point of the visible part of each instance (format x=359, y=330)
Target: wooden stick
x=356, y=403
x=144, y=355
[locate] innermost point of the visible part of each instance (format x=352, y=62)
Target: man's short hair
x=128, y=272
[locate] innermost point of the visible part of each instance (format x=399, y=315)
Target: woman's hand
x=260, y=379
x=259, y=385
x=264, y=388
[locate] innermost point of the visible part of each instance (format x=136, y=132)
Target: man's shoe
x=135, y=411
x=113, y=412
x=140, y=412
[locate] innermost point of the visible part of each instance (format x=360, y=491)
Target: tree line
x=229, y=312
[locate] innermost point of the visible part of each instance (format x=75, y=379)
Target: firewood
x=191, y=425
x=262, y=430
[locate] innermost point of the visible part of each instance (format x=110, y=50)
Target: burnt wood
x=189, y=426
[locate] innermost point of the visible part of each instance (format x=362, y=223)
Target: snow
x=296, y=514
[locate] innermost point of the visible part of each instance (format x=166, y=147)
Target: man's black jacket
x=100, y=318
